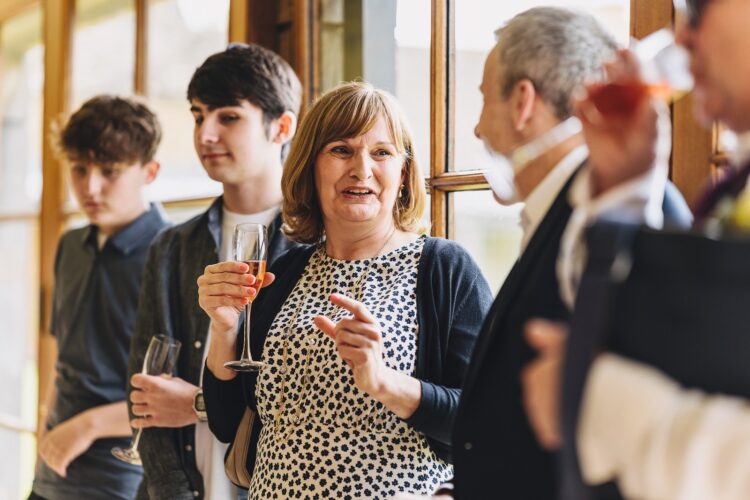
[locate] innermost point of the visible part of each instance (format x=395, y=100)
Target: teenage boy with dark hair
x=109, y=145
x=244, y=101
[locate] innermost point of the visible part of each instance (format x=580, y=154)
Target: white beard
x=501, y=177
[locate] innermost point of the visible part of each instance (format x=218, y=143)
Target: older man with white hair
x=541, y=58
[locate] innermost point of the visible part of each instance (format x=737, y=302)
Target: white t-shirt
x=209, y=452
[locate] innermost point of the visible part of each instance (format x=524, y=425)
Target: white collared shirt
x=659, y=440
x=540, y=200
x=638, y=200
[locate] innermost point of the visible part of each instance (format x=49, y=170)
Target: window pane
x=21, y=78
x=476, y=23
x=103, y=49
x=19, y=452
x=489, y=231
x=178, y=215
x=181, y=35
x=392, y=53
x=19, y=309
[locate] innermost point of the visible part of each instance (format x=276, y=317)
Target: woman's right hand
x=223, y=290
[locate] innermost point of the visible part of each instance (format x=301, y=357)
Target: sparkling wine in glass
x=250, y=246
x=160, y=359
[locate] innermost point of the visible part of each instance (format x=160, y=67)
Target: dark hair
x=248, y=72
x=109, y=130
x=695, y=10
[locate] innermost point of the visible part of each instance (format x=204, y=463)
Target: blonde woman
x=366, y=333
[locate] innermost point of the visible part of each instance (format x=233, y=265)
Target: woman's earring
x=399, y=207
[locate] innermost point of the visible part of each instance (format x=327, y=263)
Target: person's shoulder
x=441, y=250
x=182, y=231
x=447, y=261
x=78, y=234
x=293, y=254
x=677, y=213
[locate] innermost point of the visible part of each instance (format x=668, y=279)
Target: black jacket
x=496, y=453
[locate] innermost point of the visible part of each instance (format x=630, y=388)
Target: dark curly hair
x=109, y=130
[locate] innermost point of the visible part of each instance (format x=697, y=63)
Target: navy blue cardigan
x=452, y=300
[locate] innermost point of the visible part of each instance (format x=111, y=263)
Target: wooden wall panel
x=692, y=151
x=692, y=144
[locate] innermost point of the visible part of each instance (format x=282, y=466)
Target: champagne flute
x=160, y=359
x=251, y=247
x=665, y=74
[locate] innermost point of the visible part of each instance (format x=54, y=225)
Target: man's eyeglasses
x=691, y=11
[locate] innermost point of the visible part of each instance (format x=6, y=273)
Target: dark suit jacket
x=495, y=451
x=710, y=299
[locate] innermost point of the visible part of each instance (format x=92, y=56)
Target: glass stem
x=136, y=439
x=246, y=344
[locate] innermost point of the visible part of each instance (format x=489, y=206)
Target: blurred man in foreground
x=656, y=439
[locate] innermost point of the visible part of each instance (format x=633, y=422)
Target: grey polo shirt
x=93, y=314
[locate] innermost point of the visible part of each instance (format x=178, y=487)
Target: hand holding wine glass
x=627, y=131
x=625, y=118
x=251, y=248
x=223, y=290
x=160, y=359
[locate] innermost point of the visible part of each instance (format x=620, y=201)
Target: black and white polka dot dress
x=322, y=437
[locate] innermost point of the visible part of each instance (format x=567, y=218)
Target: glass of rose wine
x=664, y=74
x=250, y=246
x=160, y=359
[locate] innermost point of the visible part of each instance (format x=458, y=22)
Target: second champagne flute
x=250, y=246
x=160, y=359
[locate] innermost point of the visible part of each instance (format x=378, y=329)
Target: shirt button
x=198, y=344
x=311, y=341
x=196, y=493
x=297, y=420
x=282, y=370
x=468, y=446
x=188, y=447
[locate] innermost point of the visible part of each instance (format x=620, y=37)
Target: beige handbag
x=235, y=463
